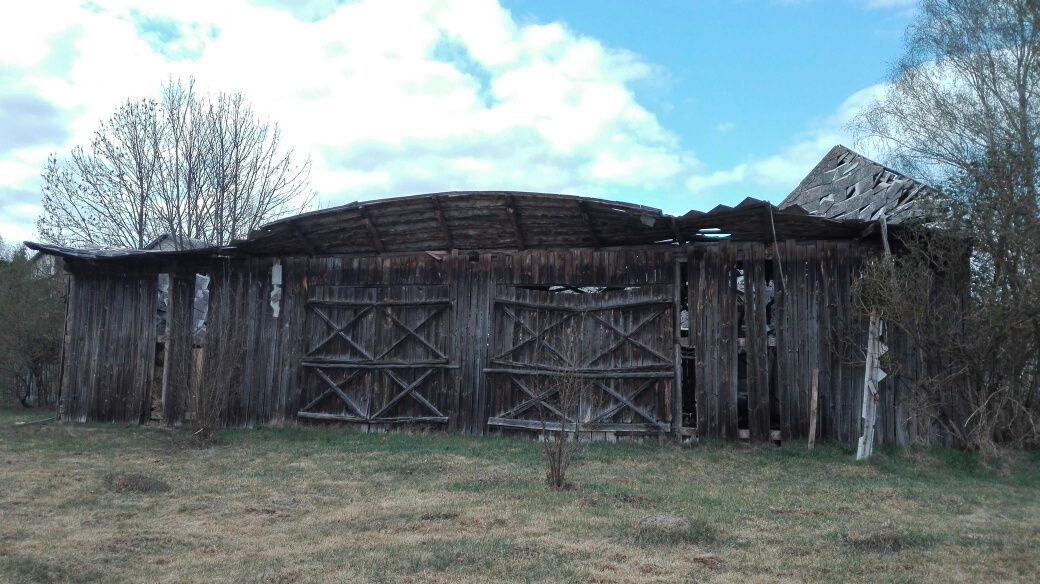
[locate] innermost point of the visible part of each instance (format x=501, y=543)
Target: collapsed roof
x=171, y=242
x=848, y=185
x=500, y=220
x=841, y=198
x=515, y=220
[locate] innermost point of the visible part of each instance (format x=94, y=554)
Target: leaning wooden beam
x=438, y=211
x=589, y=224
x=514, y=218
x=618, y=406
x=339, y=392
x=356, y=420
x=377, y=243
x=350, y=303
x=873, y=374
x=676, y=232
x=598, y=308
x=814, y=401
x=335, y=364
x=573, y=427
x=35, y=422
x=304, y=240
x=406, y=389
x=871, y=378
x=650, y=418
x=583, y=373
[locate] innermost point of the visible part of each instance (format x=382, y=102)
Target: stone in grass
x=673, y=529
x=133, y=483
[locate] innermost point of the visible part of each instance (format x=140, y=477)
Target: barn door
x=379, y=354
x=617, y=341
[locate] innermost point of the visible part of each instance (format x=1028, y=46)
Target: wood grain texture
x=443, y=341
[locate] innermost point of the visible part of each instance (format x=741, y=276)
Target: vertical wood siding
x=110, y=348
x=762, y=319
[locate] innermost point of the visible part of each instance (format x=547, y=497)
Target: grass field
x=110, y=503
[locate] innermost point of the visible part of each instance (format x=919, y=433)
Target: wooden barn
x=449, y=310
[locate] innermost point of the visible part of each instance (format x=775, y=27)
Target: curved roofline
x=503, y=194
x=501, y=220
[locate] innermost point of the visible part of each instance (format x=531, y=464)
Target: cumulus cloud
x=778, y=173
x=725, y=127
x=18, y=211
x=28, y=120
x=702, y=183
x=388, y=97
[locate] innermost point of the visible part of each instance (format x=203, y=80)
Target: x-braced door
x=379, y=354
x=597, y=359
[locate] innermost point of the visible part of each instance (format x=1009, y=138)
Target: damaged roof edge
x=449, y=194
x=497, y=220
x=127, y=254
x=847, y=185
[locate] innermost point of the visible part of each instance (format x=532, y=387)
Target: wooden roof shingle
x=848, y=185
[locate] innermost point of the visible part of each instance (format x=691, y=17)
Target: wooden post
x=677, y=390
x=178, y=359
x=871, y=377
x=872, y=374
x=814, y=407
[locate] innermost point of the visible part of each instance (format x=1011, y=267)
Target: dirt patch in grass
x=37, y=571
x=888, y=539
x=133, y=483
x=669, y=529
x=439, y=516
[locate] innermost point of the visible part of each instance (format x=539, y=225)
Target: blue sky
x=675, y=104
x=762, y=72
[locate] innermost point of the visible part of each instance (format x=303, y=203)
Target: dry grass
x=109, y=503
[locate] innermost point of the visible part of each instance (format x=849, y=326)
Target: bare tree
x=964, y=110
x=965, y=91
x=198, y=166
x=561, y=394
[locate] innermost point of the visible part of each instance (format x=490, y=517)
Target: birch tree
x=963, y=110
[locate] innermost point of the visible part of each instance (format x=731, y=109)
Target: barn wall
x=263, y=358
x=470, y=283
x=259, y=359
x=109, y=348
x=787, y=312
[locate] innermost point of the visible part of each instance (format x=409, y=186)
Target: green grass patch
x=326, y=503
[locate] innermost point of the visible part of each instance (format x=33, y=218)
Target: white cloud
x=701, y=183
x=725, y=127
x=389, y=97
x=779, y=173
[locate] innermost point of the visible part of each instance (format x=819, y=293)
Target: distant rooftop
x=170, y=242
x=847, y=185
